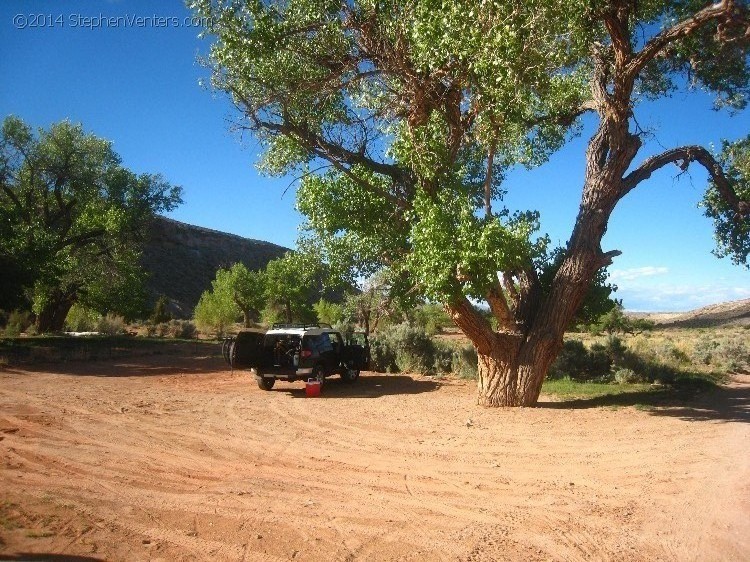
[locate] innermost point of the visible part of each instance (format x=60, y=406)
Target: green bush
x=12, y=330
x=704, y=350
x=464, y=362
x=734, y=354
x=407, y=348
x=624, y=375
x=111, y=325
x=579, y=363
x=382, y=355
x=18, y=321
x=81, y=319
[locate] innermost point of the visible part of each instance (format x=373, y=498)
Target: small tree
x=235, y=291
x=248, y=289
x=215, y=311
x=291, y=284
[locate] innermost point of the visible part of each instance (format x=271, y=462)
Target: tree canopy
x=401, y=118
x=72, y=218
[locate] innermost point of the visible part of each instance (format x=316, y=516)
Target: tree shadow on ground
x=364, y=387
x=144, y=366
x=723, y=403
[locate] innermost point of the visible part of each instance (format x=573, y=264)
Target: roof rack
x=282, y=326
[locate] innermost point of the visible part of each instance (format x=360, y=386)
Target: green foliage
x=248, y=290
x=407, y=348
x=400, y=116
x=579, y=363
x=160, y=313
x=81, y=319
x=431, y=318
x=180, y=329
x=71, y=218
x=732, y=233
x=111, y=325
x=617, y=322
x=234, y=292
x=18, y=322
x=215, y=311
x=624, y=375
x=328, y=312
x=291, y=283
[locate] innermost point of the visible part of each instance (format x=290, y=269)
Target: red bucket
x=312, y=388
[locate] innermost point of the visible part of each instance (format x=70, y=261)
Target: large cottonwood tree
x=72, y=219
x=401, y=117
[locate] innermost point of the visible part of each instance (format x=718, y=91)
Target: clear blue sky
x=137, y=84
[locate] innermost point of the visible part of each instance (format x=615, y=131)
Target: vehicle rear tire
x=266, y=383
x=350, y=375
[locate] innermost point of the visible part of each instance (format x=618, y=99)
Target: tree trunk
x=288, y=311
x=513, y=379
x=52, y=317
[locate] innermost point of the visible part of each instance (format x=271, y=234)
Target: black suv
x=293, y=352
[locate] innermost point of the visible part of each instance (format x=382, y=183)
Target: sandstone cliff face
x=182, y=260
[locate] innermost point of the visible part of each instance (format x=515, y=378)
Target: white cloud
x=636, y=273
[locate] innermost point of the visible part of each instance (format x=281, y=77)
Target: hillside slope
x=733, y=313
x=182, y=259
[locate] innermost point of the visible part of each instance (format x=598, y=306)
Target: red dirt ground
x=179, y=459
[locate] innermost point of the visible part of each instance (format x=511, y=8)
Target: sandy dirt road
x=179, y=459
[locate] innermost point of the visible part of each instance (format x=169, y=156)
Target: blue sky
x=137, y=84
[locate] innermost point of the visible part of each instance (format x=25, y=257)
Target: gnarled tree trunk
x=52, y=317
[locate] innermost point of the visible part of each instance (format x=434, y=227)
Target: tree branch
x=471, y=323
x=685, y=155
x=681, y=29
x=499, y=306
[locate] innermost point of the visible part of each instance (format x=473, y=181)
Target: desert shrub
x=579, y=363
x=414, y=349
x=111, y=325
x=464, y=362
x=734, y=354
x=704, y=350
x=405, y=347
x=442, y=358
x=182, y=329
x=615, y=350
x=18, y=321
x=624, y=375
x=382, y=355
x=12, y=330
x=81, y=319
